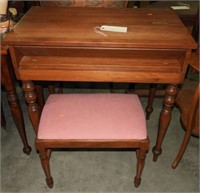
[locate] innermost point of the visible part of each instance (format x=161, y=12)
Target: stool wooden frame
x=44, y=147
x=92, y=121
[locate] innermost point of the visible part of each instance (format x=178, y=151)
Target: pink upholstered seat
x=92, y=116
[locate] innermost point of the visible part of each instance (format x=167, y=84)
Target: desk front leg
x=31, y=99
x=165, y=117
x=16, y=111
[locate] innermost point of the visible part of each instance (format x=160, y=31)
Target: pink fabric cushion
x=92, y=116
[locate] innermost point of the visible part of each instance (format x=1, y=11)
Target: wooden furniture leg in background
x=3, y=120
x=188, y=103
x=149, y=108
x=51, y=89
x=191, y=125
x=165, y=117
x=40, y=95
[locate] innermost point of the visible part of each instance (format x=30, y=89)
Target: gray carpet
x=98, y=171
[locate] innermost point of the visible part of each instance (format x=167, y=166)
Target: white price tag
x=113, y=28
x=180, y=7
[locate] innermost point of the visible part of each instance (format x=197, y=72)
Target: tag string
x=97, y=30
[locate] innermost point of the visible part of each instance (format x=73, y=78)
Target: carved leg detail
x=45, y=165
x=18, y=118
x=165, y=117
x=141, y=155
x=33, y=107
x=149, y=108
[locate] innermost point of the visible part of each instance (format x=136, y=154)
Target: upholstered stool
x=92, y=121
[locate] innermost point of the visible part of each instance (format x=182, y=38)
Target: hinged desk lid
x=62, y=26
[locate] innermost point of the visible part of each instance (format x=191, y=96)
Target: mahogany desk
x=60, y=44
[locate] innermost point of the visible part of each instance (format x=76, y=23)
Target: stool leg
x=45, y=165
x=141, y=155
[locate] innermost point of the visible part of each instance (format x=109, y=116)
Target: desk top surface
x=61, y=26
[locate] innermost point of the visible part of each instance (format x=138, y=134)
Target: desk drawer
x=99, y=64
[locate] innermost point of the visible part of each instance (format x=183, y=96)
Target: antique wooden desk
x=61, y=44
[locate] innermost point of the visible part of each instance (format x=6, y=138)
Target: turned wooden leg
x=40, y=95
x=3, y=120
x=18, y=118
x=51, y=89
x=165, y=117
x=45, y=165
x=60, y=89
x=131, y=88
x=33, y=107
x=141, y=155
x=8, y=81
x=149, y=108
x=111, y=85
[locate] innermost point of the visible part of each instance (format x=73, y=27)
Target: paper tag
x=113, y=28
x=179, y=7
